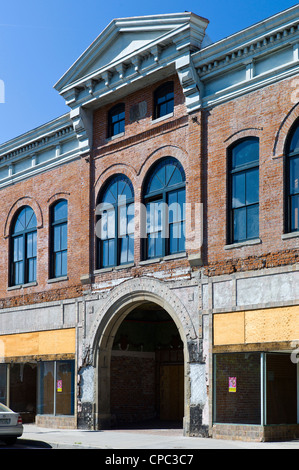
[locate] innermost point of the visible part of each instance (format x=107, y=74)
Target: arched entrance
x=147, y=369
x=141, y=298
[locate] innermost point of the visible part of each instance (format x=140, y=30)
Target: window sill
x=113, y=268
x=116, y=136
x=57, y=279
x=162, y=118
x=175, y=256
x=254, y=241
x=286, y=236
x=20, y=286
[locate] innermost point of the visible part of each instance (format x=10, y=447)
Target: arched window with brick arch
x=115, y=226
x=292, y=179
x=243, y=162
x=23, y=247
x=164, y=198
x=58, y=239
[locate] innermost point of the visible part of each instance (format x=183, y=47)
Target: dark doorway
x=23, y=390
x=147, y=369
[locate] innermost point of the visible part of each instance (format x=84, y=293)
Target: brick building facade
x=150, y=235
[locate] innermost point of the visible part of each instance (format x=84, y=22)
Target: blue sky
x=40, y=40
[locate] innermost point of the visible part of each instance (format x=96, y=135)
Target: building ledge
x=254, y=241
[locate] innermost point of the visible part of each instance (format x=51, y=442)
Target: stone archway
x=147, y=370
x=119, y=303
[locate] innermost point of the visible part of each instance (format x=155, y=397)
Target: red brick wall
x=143, y=144
x=69, y=181
x=260, y=113
x=132, y=388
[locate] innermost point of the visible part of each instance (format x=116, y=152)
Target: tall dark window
x=116, y=120
x=59, y=239
x=24, y=247
x=163, y=100
x=115, y=228
x=244, y=189
x=292, y=163
x=164, y=199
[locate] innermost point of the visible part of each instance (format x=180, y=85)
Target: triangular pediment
x=123, y=45
x=124, y=38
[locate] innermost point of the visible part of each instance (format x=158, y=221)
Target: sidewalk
x=136, y=439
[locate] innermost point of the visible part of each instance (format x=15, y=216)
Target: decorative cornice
x=247, y=51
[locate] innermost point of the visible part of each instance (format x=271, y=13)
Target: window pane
x=294, y=175
x=173, y=238
x=31, y=245
x=122, y=228
x=19, y=273
x=131, y=249
x=182, y=201
x=18, y=253
x=57, y=238
x=150, y=247
x=158, y=244
x=294, y=147
x=238, y=189
x=252, y=186
x=30, y=218
x=31, y=270
x=116, y=120
x=164, y=100
x=57, y=264
x=124, y=250
x=173, y=208
x=239, y=223
x=237, y=407
x=3, y=382
x=64, y=388
x=253, y=221
x=295, y=213
x=46, y=388
x=64, y=236
x=182, y=238
x=108, y=253
x=244, y=153
x=111, y=224
x=60, y=211
x=20, y=222
x=111, y=252
x=105, y=251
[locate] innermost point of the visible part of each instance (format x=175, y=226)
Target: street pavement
x=130, y=439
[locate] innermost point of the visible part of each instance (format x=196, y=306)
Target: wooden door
x=171, y=392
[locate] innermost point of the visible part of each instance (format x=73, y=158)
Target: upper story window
x=23, y=247
x=116, y=120
x=116, y=225
x=59, y=213
x=164, y=100
x=292, y=164
x=244, y=190
x=164, y=198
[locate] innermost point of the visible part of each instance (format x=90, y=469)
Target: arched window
x=115, y=229
x=164, y=198
x=163, y=100
x=116, y=120
x=244, y=190
x=292, y=186
x=23, y=247
x=59, y=213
